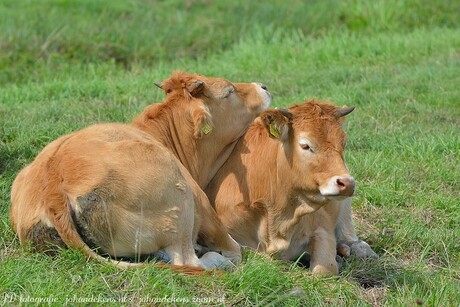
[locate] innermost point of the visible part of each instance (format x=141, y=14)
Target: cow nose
x=346, y=185
x=263, y=86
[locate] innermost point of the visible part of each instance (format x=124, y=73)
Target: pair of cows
x=188, y=172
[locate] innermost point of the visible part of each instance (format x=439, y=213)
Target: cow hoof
x=162, y=256
x=200, y=250
x=234, y=257
x=326, y=271
x=362, y=250
x=213, y=260
x=343, y=250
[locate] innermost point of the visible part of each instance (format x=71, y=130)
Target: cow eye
x=305, y=146
x=230, y=91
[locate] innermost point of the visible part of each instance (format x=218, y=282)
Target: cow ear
x=202, y=122
x=276, y=123
x=181, y=81
x=194, y=86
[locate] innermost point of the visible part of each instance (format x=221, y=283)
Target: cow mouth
x=321, y=199
x=334, y=196
x=266, y=98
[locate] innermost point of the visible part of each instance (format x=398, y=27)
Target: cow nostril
x=263, y=86
x=345, y=185
x=340, y=183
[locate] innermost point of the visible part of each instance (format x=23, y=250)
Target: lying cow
x=282, y=187
x=133, y=189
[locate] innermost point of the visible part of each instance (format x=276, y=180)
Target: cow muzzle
x=339, y=186
x=265, y=95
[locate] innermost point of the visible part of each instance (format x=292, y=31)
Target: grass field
x=67, y=64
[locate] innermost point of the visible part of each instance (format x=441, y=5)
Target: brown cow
x=281, y=188
x=131, y=190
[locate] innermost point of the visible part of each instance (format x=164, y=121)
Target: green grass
x=67, y=64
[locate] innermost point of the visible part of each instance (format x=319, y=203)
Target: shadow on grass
x=377, y=278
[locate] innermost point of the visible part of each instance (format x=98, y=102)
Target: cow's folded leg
x=200, y=250
x=323, y=253
x=362, y=250
x=183, y=254
x=162, y=255
x=208, y=261
x=347, y=240
x=213, y=233
x=343, y=249
x=213, y=260
x=221, y=241
x=234, y=255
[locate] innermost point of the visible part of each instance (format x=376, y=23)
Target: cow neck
x=178, y=138
x=277, y=215
x=287, y=210
x=212, y=158
x=261, y=151
x=174, y=130
x=271, y=190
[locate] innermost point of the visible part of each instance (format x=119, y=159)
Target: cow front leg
x=323, y=251
x=213, y=233
x=347, y=240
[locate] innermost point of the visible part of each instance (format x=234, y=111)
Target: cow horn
x=285, y=113
x=158, y=84
x=344, y=111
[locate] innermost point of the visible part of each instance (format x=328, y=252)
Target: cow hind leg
x=91, y=215
x=43, y=238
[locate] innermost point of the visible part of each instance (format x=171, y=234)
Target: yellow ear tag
x=206, y=128
x=274, y=131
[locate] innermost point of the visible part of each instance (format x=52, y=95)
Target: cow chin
x=310, y=201
x=323, y=199
x=336, y=197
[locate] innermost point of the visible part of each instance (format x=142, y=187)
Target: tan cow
x=131, y=190
x=281, y=188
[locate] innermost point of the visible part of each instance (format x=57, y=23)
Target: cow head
x=218, y=106
x=312, y=150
